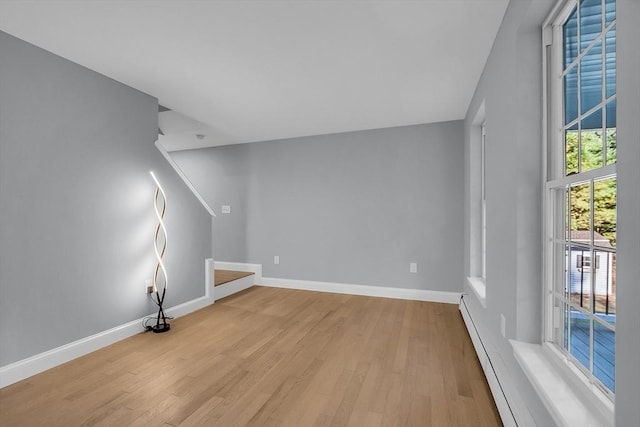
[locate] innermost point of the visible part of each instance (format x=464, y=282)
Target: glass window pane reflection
x=610, y=58
x=604, y=354
x=590, y=21
x=571, y=95
x=580, y=336
x=591, y=78
x=605, y=212
x=571, y=38
x=611, y=136
x=591, y=142
x=605, y=286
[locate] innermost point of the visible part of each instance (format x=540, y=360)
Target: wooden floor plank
x=273, y=357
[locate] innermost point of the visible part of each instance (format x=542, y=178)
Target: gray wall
x=355, y=207
x=511, y=88
x=76, y=204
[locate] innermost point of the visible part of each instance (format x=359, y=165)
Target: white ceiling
x=266, y=69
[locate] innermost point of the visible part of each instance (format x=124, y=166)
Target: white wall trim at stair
x=233, y=287
x=365, y=290
x=25, y=368
x=256, y=269
x=238, y=285
x=182, y=176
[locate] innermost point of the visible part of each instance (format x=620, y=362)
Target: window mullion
x=592, y=246
x=584, y=177
x=579, y=94
x=603, y=76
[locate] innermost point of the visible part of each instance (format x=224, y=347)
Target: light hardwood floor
x=274, y=357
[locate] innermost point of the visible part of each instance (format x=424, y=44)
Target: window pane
x=571, y=95
x=610, y=11
x=591, y=142
x=611, y=137
x=558, y=321
x=565, y=341
x=590, y=21
x=581, y=213
x=604, y=212
x=580, y=336
x=604, y=352
x=562, y=228
x=580, y=277
x=566, y=215
x=563, y=255
x=571, y=151
x=591, y=78
x=571, y=38
x=610, y=58
x=560, y=261
x=605, y=289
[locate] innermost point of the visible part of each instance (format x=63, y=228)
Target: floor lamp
x=160, y=246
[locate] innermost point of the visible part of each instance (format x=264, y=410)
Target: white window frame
x=553, y=165
x=477, y=198
x=483, y=197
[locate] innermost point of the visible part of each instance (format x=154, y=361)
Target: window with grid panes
x=581, y=189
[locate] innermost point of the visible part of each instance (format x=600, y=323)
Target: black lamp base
x=161, y=321
x=161, y=328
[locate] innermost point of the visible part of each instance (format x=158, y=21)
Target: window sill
x=570, y=401
x=479, y=288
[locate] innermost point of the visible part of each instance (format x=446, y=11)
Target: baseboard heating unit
x=497, y=390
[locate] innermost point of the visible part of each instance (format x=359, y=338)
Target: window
x=584, y=261
x=581, y=187
x=478, y=206
x=483, y=202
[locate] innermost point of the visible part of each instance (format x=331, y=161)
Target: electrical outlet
x=413, y=267
x=148, y=283
x=503, y=326
x=276, y=259
x=226, y=209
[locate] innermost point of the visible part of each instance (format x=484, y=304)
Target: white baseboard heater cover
x=505, y=408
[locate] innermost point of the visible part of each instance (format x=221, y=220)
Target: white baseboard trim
x=33, y=365
x=25, y=368
x=365, y=290
x=256, y=269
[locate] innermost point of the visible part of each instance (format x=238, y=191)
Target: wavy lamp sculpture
x=160, y=246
